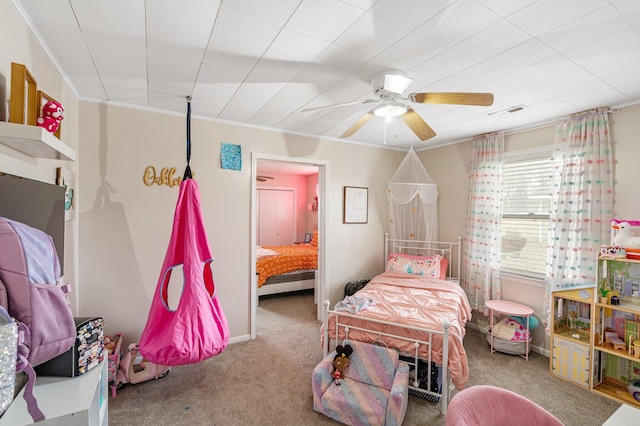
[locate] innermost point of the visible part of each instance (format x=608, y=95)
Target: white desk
x=626, y=415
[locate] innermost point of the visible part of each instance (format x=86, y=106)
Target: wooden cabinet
x=276, y=217
x=615, y=328
x=571, y=335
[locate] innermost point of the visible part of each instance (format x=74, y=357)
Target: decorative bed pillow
x=264, y=252
x=431, y=266
x=314, y=239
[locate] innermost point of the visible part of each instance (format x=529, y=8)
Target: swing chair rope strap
x=187, y=171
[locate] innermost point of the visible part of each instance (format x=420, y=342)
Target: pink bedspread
x=420, y=302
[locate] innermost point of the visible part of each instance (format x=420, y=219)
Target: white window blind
x=527, y=185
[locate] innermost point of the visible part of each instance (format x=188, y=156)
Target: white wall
x=449, y=167
x=125, y=225
x=19, y=45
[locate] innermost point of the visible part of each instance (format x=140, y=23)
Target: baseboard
x=239, y=339
x=533, y=348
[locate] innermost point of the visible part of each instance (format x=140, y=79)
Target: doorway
x=318, y=206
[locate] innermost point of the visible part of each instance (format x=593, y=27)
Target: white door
x=276, y=217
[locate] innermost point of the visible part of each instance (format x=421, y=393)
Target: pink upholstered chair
x=374, y=390
x=492, y=406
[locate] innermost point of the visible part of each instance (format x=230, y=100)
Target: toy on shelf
x=52, y=115
x=625, y=238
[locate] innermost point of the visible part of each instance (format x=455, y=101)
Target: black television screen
x=37, y=204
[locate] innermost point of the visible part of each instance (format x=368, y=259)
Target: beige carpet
x=267, y=381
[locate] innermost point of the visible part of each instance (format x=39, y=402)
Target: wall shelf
x=34, y=141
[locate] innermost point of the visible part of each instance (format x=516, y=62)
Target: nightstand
x=509, y=308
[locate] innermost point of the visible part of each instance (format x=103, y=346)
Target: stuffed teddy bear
x=52, y=115
x=340, y=362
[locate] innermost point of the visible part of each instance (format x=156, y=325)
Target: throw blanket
x=288, y=259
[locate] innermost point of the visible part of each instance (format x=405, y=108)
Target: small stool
x=509, y=308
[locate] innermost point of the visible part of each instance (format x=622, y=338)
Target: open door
x=313, y=202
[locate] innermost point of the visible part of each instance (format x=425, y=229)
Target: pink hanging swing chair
x=197, y=328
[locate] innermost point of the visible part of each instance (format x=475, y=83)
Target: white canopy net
x=412, y=198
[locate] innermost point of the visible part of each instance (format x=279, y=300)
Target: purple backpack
x=31, y=294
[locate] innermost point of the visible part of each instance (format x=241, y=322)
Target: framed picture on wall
x=356, y=207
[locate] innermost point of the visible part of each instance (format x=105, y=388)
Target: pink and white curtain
x=481, y=264
x=582, y=202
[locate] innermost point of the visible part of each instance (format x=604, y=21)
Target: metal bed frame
x=445, y=249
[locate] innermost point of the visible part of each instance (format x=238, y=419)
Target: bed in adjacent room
x=416, y=306
x=281, y=269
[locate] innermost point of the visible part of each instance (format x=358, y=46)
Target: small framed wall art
x=356, y=204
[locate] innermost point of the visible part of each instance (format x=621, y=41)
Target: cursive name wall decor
x=167, y=176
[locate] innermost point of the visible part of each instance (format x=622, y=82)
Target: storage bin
x=512, y=347
x=85, y=354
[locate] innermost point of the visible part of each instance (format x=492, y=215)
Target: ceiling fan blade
x=418, y=125
x=366, y=101
x=462, y=98
x=361, y=122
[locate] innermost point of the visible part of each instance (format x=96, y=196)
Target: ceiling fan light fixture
x=390, y=109
x=396, y=83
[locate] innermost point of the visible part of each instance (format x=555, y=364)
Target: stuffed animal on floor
x=340, y=362
x=52, y=115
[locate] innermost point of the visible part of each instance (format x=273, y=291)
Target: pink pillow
x=431, y=266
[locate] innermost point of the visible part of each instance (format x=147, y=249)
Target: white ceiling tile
x=545, y=15
x=272, y=112
x=323, y=19
x=371, y=35
x=530, y=52
x=492, y=41
x=409, y=52
x=209, y=100
x=243, y=105
x=395, y=11
x=593, y=26
x=474, y=78
x=440, y=67
x=615, y=52
x=65, y=40
x=276, y=12
x=630, y=9
x=505, y=8
x=557, y=64
x=239, y=37
x=457, y=22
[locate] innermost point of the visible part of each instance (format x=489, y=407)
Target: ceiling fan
x=390, y=88
x=262, y=178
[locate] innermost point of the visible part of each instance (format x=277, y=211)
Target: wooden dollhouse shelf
x=624, y=306
x=616, y=391
x=608, y=348
x=34, y=141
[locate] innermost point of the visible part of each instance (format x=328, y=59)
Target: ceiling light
x=396, y=83
x=390, y=109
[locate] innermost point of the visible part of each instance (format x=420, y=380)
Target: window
x=527, y=187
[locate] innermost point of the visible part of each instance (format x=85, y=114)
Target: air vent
x=509, y=110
